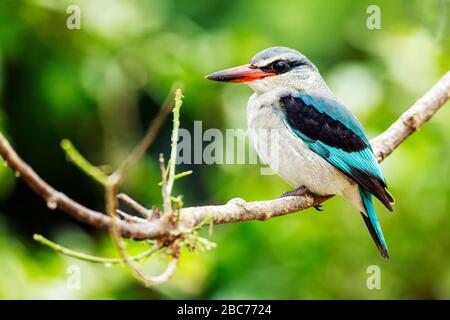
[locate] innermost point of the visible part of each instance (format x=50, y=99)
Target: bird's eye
x=280, y=66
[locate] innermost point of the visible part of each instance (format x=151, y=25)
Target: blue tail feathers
x=372, y=223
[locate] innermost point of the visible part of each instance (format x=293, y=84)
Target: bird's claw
x=300, y=191
x=318, y=207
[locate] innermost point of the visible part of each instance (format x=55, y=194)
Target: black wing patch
x=319, y=126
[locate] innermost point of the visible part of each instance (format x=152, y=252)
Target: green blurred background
x=100, y=86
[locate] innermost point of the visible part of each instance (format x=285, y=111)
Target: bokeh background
x=101, y=85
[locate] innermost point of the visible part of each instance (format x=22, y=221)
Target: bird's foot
x=300, y=191
x=318, y=207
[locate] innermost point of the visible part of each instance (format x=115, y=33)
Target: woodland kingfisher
x=321, y=145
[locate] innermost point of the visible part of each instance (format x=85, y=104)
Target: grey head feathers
x=300, y=73
x=270, y=55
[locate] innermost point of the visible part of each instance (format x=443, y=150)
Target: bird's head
x=272, y=68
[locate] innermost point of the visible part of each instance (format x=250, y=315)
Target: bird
x=320, y=145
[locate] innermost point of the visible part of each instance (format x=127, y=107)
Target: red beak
x=245, y=73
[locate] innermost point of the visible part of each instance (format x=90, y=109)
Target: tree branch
x=412, y=119
x=235, y=210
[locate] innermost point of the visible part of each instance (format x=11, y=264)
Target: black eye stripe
x=296, y=63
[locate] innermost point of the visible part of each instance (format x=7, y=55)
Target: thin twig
x=179, y=176
x=152, y=132
x=167, y=203
x=90, y=258
x=130, y=218
x=75, y=156
x=170, y=269
x=174, y=141
x=136, y=206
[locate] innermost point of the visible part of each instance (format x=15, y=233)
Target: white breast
x=290, y=157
